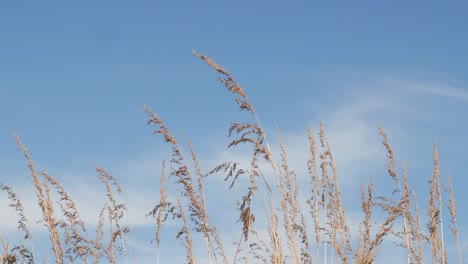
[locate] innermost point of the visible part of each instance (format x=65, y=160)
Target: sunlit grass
x=299, y=227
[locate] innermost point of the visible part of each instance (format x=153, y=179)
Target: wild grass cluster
x=277, y=222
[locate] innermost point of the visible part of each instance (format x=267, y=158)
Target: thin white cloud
x=446, y=91
x=434, y=89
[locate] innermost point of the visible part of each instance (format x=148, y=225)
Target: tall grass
x=296, y=226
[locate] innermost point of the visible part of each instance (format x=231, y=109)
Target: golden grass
x=301, y=227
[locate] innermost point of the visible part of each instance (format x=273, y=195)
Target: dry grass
x=298, y=226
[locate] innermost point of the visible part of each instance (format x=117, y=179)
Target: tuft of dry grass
x=26, y=254
x=453, y=216
x=272, y=226
x=68, y=233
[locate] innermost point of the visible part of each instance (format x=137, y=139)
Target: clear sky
x=73, y=77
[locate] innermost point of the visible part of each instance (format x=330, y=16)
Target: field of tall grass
x=301, y=221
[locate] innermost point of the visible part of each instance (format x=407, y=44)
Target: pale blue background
x=73, y=77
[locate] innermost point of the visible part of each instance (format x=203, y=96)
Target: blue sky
x=73, y=77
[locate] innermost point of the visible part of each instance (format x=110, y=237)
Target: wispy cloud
x=429, y=88
x=444, y=91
